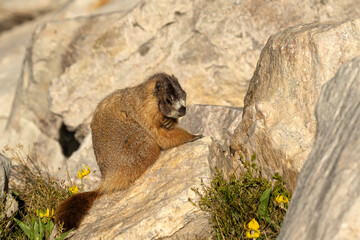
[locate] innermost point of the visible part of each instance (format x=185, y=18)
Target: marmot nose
x=182, y=111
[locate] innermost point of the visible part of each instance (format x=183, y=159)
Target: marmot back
x=129, y=128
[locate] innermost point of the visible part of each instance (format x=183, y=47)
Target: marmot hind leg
x=127, y=150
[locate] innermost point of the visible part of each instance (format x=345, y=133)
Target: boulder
x=13, y=42
x=75, y=60
x=30, y=120
x=157, y=206
x=195, y=49
x=22, y=17
x=13, y=45
x=326, y=201
x=5, y=171
x=278, y=121
x=11, y=205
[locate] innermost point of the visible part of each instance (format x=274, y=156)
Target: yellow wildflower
x=74, y=189
x=47, y=216
x=252, y=233
x=84, y=172
x=252, y=229
x=282, y=199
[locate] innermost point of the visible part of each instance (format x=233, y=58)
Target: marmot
x=129, y=128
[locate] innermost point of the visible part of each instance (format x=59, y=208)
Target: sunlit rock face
x=157, y=206
x=278, y=121
x=91, y=47
x=326, y=201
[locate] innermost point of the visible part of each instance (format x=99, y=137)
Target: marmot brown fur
x=129, y=128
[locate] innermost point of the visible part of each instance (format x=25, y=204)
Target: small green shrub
x=33, y=184
x=233, y=204
x=35, y=189
x=39, y=228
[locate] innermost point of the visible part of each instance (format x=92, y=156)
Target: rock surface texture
x=30, y=120
x=75, y=60
x=157, y=206
x=278, y=121
x=326, y=201
x=13, y=45
x=5, y=171
x=219, y=122
x=11, y=205
x=18, y=20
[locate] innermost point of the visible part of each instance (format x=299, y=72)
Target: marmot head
x=171, y=97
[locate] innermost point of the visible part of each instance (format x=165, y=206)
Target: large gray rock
x=157, y=206
x=11, y=205
x=326, y=201
x=13, y=44
x=30, y=120
x=5, y=171
x=212, y=47
x=278, y=122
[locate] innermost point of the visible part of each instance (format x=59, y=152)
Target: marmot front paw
x=197, y=137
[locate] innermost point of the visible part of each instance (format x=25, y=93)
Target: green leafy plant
x=32, y=182
x=40, y=228
x=34, y=188
x=237, y=205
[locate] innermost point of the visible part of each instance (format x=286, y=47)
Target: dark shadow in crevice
x=67, y=140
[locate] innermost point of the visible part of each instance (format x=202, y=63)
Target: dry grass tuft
x=33, y=187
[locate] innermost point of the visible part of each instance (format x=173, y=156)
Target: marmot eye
x=168, y=101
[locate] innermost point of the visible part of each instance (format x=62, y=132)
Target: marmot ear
x=157, y=88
